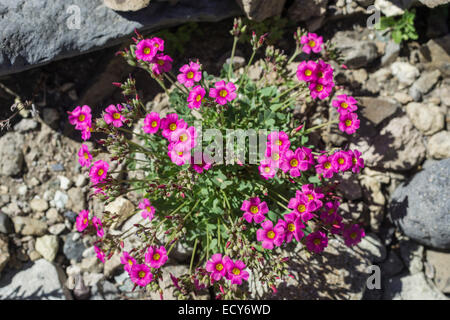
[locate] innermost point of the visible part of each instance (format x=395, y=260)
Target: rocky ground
x=402, y=196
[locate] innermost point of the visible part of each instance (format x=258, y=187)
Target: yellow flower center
x=341, y=161
x=275, y=156
x=327, y=165
x=236, y=271
x=310, y=196
x=183, y=137
x=100, y=172
x=348, y=123
x=319, y=87
x=154, y=124
x=161, y=62
x=353, y=235
x=331, y=211
x=156, y=45
x=85, y=220
x=308, y=72
x=148, y=208
x=291, y=227
x=173, y=126
x=301, y=208
x=344, y=105
x=190, y=75
x=147, y=50
x=279, y=142
x=293, y=162
x=116, y=115
x=223, y=93
x=271, y=234
x=141, y=274
x=81, y=117
x=266, y=169
x=219, y=267
x=156, y=256
x=180, y=153
x=354, y=160
x=312, y=43
x=86, y=156
x=130, y=262
x=254, y=209
x=316, y=241
x=199, y=97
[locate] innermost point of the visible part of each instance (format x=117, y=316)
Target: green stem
x=320, y=126
x=230, y=68
x=192, y=257
x=286, y=92
x=293, y=56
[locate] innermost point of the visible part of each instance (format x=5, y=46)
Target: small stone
x=91, y=264
x=11, y=155
x=259, y=10
x=81, y=181
x=38, y=205
x=73, y=247
x=22, y=190
x=58, y=167
x=405, y=72
x=440, y=262
x=26, y=125
x=424, y=84
x=122, y=207
x=65, y=183
x=373, y=248
x=439, y=145
x=71, y=216
x=48, y=247
x=29, y=226
x=53, y=216
x=60, y=200
x=34, y=255
x=377, y=109
x=411, y=287
x=4, y=252
x=391, y=53
x=429, y=119
x=112, y=265
x=77, y=200
x=57, y=229
x=402, y=97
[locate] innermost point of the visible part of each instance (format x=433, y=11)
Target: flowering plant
x=241, y=208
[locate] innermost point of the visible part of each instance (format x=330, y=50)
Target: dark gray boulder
x=421, y=207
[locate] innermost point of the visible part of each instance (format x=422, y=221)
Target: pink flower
x=140, y=274
x=98, y=226
x=357, y=161
x=348, y=122
x=254, y=210
x=313, y=194
x=316, y=241
x=342, y=160
x=100, y=254
x=179, y=154
x=146, y=50
x=306, y=158
x=307, y=71
x=148, y=209
x=353, y=235
x=274, y=154
x=267, y=169
x=80, y=117
x=205, y=164
x=293, y=226
x=171, y=123
x=190, y=74
x=336, y=225
x=156, y=257
x=82, y=220
x=161, y=63
x=86, y=133
x=302, y=206
x=236, y=272
x=329, y=210
x=280, y=139
x=185, y=137
x=325, y=166
x=216, y=266
x=127, y=260
x=84, y=157
x=291, y=163
x=99, y=171
x=114, y=116
x=318, y=90
x=324, y=74
x=151, y=123
x=195, y=97
x=223, y=92
x=311, y=42
x=345, y=103
x=270, y=235
x=157, y=43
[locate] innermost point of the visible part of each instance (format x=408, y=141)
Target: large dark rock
x=421, y=207
x=35, y=32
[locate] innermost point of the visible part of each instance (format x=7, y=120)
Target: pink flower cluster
x=141, y=274
x=223, y=267
x=151, y=50
x=81, y=118
x=319, y=75
x=348, y=119
x=339, y=161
